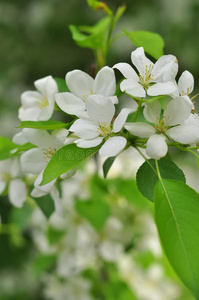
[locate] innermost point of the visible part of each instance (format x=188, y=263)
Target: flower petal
x=165, y=68
x=32, y=161
x=46, y=85
x=105, y=83
x=17, y=192
x=121, y=119
x=156, y=146
x=177, y=111
x=186, y=83
x=127, y=71
x=132, y=87
x=37, y=137
x=57, y=201
x=141, y=62
x=152, y=111
x=2, y=186
x=113, y=146
x=100, y=109
x=44, y=188
x=30, y=114
x=89, y=143
x=80, y=83
x=140, y=129
x=70, y=104
x=184, y=134
x=84, y=129
x=19, y=138
x=30, y=98
x=162, y=88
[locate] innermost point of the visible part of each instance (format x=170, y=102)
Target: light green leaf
x=107, y=165
x=44, y=125
x=147, y=178
x=46, y=204
x=152, y=42
x=65, y=159
x=6, y=148
x=177, y=219
x=62, y=87
x=96, y=37
x=43, y=263
x=95, y=211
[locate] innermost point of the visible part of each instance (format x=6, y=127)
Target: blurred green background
x=35, y=41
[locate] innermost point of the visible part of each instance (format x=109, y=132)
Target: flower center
x=104, y=129
x=42, y=101
x=146, y=77
x=85, y=95
x=183, y=93
x=48, y=153
x=6, y=177
x=160, y=125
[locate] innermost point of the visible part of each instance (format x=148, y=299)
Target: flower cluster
x=160, y=112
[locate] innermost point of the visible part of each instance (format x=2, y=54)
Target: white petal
x=19, y=138
x=2, y=186
x=184, y=134
x=165, y=69
x=193, y=119
x=30, y=114
x=46, y=85
x=140, y=129
x=121, y=119
x=84, y=129
x=32, y=161
x=30, y=98
x=177, y=111
x=132, y=87
x=105, y=83
x=37, y=137
x=89, y=143
x=141, y=61
x=161, y=89
x=60, y=134
x=113, y=146
x=46, y=112
x=69, y=173
x=35, y=193
x=152, y=111
x=70, y=104
x=127, y=71
x=17, y=192
x=43, y=188
x=80, y=83
x=15, y=167
x=186, y=83
x=156, y=146
x=114, y=99
x=57, y=201
x=100, y=109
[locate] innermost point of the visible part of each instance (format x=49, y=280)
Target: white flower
x=153, y=79
x=99, y=127
x=171, y=125
x=39, y=105
x=35, y=160
x=10, y=173
x=81, y=85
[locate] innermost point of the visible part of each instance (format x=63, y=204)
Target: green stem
x=145, y=159
x=135, y=115
x=158, y=172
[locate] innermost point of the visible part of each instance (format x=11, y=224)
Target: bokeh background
x=35, y=42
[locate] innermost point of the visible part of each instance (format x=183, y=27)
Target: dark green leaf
x=7, y=148
x=65, y=159
x=177, y=219
x=62, y=87
x=152, y=42
x=46, y=204
x=107, y=165
x=147, y=177
x=44, y=125
x=95, y=211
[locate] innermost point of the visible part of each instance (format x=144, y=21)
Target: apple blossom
x=153, y=79
x=82, y=85
x=99, y=126
x=39, y=105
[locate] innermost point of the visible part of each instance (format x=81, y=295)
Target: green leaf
x=107, y=165
x=147, y=178
x=95, y=211
x=62, y=87
x=6, y=148
x=43, y=262
x=54, y=235
x=96, y=37
x=44, y=125
x=152, y=42
x=65, y=159
x=94, y=4
x=46, y=204
x=177, y=219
